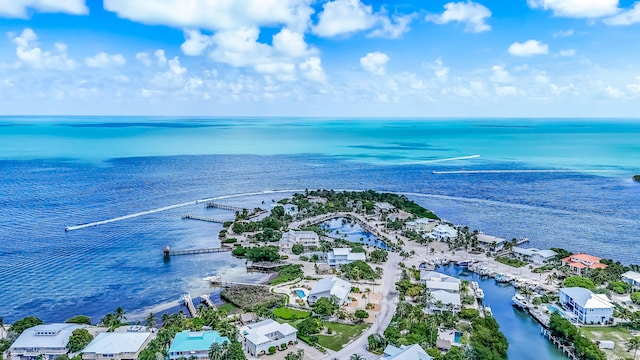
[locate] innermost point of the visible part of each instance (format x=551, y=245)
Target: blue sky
x=418, y=58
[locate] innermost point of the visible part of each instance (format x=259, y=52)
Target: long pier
x=195, y=251
x=207, y=301
x=186, y=298
x=217, y=205
x=203, y=218
x=217, y=280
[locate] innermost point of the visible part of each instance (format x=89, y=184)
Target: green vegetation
x=115, y=319
x=229, y=241
x=297, y=249
x=228, y=307
x=359, y=270
x=487, y=340
x=290, y=314
x=78, y=340
x=379, y=256
x=618, y=287
x=263, y=253
x=361, y=314
x=619, y=335
x=407, y=288
x=635, y=297
x=567, y=333
x=511, y=262
x=309, y=326
x=239, y=251
x=21, y=325
x=579, y=281
x=344, y=333
x=226, y=351
x=79, y=319
x=247, y=297
x=325, y=306
x=288, y=273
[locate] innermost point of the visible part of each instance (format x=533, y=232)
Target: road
x=387, y=309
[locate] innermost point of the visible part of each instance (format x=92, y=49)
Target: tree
x=151, y=320
x=120, y=314
x=325, y=306
x=356, y=357
x=633, y=345
x=379, y=256
x=455, y=353
x=361, y=314
x=78, y=340
x=237, y=353
x=21, y=325
x=579, y=281
x=263, y=253
x=79, y=319
x=299, y=355
x=218, y=351
x=635, y=297
x=309, y=326
x=297, y=249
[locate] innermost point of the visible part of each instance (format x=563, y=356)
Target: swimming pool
x=457, y=337
x=300, y=294
x=554, y=309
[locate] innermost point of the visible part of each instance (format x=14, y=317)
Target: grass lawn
x=619, y=335
x=511, y=262
x=343, y=334
x=229, y=308
x=290, y=314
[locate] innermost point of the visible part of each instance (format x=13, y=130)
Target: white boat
x=479, y=293
x=488, y=311
x=520, y=301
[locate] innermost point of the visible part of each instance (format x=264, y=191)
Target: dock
x=168, y=253
x=186, y=299
x=206, y=299
x=217, y=205
x=204, y=218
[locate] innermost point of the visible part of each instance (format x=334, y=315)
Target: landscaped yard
x=511, y=262
x=342, y=334
x=618, y=335
x=229, y=308
x=290, y=314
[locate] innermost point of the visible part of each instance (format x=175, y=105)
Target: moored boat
x=520, y=301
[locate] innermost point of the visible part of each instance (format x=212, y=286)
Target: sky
x=313, y=58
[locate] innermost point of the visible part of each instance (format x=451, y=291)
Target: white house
x=438, y=281
x=490, y=243
x=442, y=300
x=383, y=208
x=589, y=308
x=444, y=232
x=259, y=337
x=533, y=255
x=632, y=278
x=444, y=290
x=404, y=352
x=420, y=225
x=50, y=341
x=308, y=239
x=341, y=256
x=117, y=346
x=328, y=288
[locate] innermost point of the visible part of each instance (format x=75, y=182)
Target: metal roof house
x=330, y=287
x=411, y=352
x=533, y=255
x=117, y=346
x=196, y=344
x=259, y=337
x=342, y=256
x=632, y=278
x=588, y=307
x=48, y=341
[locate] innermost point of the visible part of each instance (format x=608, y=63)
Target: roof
x=436, y=276
x=442, y=285
x=488, y=239
x=186, y=341
x=584, y=257
x=302, y=234
x=444, y=228
x=412, y=352
x=335, y=286
x=446, y=297
x=46, y=336
x=342, y=251
x=534, y=251
x=631, y=275
x=257, y=333
x=586, y=299
x=384, y=206
x=117, y=343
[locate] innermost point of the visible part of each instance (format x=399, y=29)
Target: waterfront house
x=404, y=352
x=447, y=338
x=443, y=300
x=259, y=337
x=444, y=232
x=420, y=225
x=533, y=255
x=194, y=344
x=117, y=346
x=330, y=287
x=437, y=281
x=342, y=256
x=45, y=342
x=490, y=243
x=580, y=264
x=632, y=278
x=381, y=208
x=308, y=239
x=589, y=308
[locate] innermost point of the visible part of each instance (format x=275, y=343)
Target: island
x=636, y=178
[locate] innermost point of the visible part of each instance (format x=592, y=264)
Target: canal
x=522, y=331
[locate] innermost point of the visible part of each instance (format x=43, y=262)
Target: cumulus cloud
x=30, y=54
x=312, y=69
x=577, y=8
x=394, y=27
x=506, y=90
x=528, y=48
x=20, y=8
x=291, y=43
x=627, y=17
x=439, y=69
x=614, y=92
x=500, y=75
x=144, y=58
x=473, y=15
x=195, y=43
x=567, y=52
x=344, y=16
x=374, y=62
x=104, y=60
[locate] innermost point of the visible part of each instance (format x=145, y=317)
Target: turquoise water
x=300, y=294
x=457, y=337
x=553, y=309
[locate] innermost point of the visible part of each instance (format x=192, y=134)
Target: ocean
x=560, y=183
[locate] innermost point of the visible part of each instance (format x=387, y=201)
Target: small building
x=259, y=337
x=342, y=256
x=632, y=278
x=580, y=264
x=444, y=232
x=44, y=341
x=316, y=199
x=404, y=352
x=589, y=308
x=381, y=208
x=422, y=225
x=490, y=243
x=308, y=239
x=196, y=344
x=117, y=346
x=437, y=281
x=447, y=338
x=533, y=255
x=248, y=318
x=330, y=287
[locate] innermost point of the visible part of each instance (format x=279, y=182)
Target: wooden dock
x=186, y=299
x=216, y=205
x=206, y=299
x=204, y=218
x=195, y=251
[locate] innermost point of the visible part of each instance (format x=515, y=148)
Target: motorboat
x=520, y=301
x=479, y=293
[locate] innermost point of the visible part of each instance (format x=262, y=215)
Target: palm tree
x=151, y=320
x=356, y=357
x=218, y=351
x=633, y=345
x=119, y=313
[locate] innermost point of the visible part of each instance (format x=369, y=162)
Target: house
x=533, y=255
x=437, y=281
x=447, y=338
x=589, y=308
x=421, y=225
x=444, y=290
x=581, y=263
x=45, y=342
x=444, y=232
x=442, y=300
x=259, y=337
x=404, y=352
x=630, y=277
x=342, y=256
x=117, y=346
x=490, y=243
x=330, y=287
x=308, y=239
x=248, y=318
x=196, y=344
x=381, y=208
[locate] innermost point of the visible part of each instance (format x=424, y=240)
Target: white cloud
x=290, y=43
x=500, y=75
x=33, y=56
x=374, y=62
x=312, y=69
x=144, y=58
x=567, y=52
x=473, y=15
x=104, y=60
x=195, y=43
x=627, y=17
x=635, y=88
x=160, y=57
x=614, y=92
x=344, y=16
x=394, y=27
x=172, y=76
x=439, y=69
x=239, y=48
x=506, y=90
x=563, y=33
x=122, y=79
x=577, y=8
x=215, y=14
x=528, y=48
x=19, y=8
